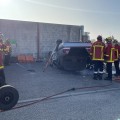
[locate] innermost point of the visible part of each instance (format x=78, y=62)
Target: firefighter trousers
x=117, y=69
x=7, y=59
x=98, y=66
x=2, y=77
x=109, y=69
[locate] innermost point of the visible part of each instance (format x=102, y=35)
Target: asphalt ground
x=89, y=100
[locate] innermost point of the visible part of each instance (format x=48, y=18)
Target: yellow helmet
x=108, y=39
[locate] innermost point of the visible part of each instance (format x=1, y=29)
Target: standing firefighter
x=2, y=75
x=117, y=54
x=110, y=57
x=97, y=55
x=7, y=52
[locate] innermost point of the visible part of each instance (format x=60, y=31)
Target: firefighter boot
x=100, y=75
x=95, y=77
x=108, y=78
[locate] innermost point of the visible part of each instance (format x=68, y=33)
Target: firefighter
x=117, y=54
x=97, y=55
x=2, y=75
x=109, y=57
x=7, y=52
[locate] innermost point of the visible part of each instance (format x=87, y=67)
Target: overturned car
x=71, y=55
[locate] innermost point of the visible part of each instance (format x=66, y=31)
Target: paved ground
x=98, y=103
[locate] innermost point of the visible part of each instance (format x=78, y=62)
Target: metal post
x=38, y=42
x=68, y=33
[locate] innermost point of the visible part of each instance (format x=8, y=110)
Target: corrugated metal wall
x=37, y=38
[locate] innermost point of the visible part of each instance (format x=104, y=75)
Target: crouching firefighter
x=2, y=75
x=97, y=55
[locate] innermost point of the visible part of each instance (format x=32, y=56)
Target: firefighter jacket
x=117, y=52
x=110, y=53
x=97, y=51
x=1, y=56
x=7, y=49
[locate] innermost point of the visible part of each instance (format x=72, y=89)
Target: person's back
x=97, y=55
x=110, y=51
x=110, y=57
x=97, y=50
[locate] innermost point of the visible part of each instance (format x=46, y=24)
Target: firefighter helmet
x=115, y=41
x=99, y=37
x=58, y=41
x=108, y=39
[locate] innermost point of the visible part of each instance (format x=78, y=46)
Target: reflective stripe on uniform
x=111, y=59
x=98, y=59
x=117, y=55
x=106, y=55
x=101, y=72
x=1, y=67
x=94, y=52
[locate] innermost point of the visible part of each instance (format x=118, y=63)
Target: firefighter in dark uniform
x=97, y=55
x=117, y=54
x=7, y=52
x=109, y=57
x=2, y=75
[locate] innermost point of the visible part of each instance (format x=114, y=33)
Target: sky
x=99, y=17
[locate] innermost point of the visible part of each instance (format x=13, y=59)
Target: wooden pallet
x=29, y=58
x=21, y=58
x=25, y=58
